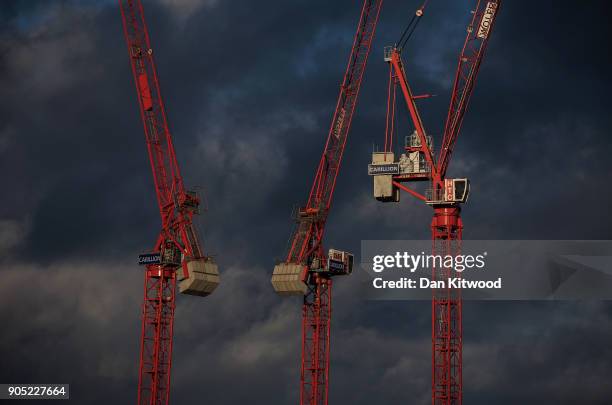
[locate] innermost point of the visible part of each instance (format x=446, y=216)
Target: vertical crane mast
x=445, y=195
x=307, y=270
x=177, y=249
x=447, y=226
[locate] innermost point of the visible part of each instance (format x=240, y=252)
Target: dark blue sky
x=249, y=89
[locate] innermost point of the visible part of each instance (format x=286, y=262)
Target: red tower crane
x=445, y=196
x=177, y=254
x=307, y=271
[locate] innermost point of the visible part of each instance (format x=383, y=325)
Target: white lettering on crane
x=339, y=123
x=487, y=19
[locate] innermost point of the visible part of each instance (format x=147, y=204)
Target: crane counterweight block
x=203, y=277
x=290, y=279
x=294, y=278
x=382, y=170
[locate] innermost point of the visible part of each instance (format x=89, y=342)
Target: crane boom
x=164, y=166
x=177, y=245
x=474, y=46
x=311, y=219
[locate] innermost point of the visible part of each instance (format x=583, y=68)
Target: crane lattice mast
x=307, y=269
x=445, y=196
x=177, y=254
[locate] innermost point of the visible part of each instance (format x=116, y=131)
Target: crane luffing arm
x=307, y=238
x=400, y=74
x=474, y=47
x=176, y=206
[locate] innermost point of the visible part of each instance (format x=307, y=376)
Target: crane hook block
x=203, y=277
x=382, y=170
x=289, y=279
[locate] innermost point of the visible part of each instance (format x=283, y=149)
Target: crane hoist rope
x=409, y=30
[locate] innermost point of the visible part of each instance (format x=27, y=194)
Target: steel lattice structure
x=307, y=267
x=445, y=196
x=316, y=329
x=177, y=253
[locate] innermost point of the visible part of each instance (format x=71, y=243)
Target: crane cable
x=409, y=30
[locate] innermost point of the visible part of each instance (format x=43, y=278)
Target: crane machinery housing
x=444, y=195
x=177, y=254
x=307, y=271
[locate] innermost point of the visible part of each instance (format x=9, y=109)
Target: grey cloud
x=250, y=89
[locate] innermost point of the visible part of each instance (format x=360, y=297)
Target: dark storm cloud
x=250, y=88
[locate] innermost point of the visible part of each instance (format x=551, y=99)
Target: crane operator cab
x=455, y=191
x=291, y=278
x=339, y=263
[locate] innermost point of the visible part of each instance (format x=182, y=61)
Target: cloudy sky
x=249, y=89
